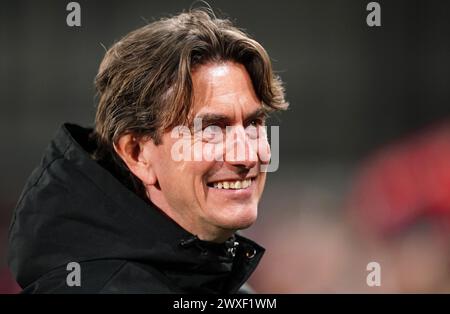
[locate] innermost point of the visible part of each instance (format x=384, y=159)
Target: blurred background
x=364, y=151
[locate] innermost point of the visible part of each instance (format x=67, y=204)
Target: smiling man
x=120, y=203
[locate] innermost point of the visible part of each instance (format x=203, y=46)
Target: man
x=114, y=209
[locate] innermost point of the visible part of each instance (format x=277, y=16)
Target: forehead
x=224, y=88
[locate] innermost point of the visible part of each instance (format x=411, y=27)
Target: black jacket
x=72, y=209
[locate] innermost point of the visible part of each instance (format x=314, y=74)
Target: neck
x=189, y=223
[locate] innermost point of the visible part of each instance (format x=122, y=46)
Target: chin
x=237, y=219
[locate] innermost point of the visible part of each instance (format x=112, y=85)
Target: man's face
x=199, y=194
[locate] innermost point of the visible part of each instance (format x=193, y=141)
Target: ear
x=136, y=153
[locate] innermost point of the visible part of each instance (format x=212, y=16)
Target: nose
x=240, y=150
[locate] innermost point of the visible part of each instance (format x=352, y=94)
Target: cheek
x=263, y=150
x=197, y=173
x=172, y=175
x=189, y=174
x=262, y=181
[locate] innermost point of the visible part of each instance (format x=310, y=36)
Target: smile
x=232, y=185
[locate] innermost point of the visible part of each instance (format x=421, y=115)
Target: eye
x=257, y=122
x=213, y=134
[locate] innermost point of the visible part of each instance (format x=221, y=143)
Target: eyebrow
x=259, y=113
x=220, y=119
x=214, y=119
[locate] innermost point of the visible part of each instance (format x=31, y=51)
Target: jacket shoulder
x=103, y=276
x=138, y=278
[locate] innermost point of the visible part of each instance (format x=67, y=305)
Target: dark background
x=351, y=88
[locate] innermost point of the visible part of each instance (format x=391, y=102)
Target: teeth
x=235, y=185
